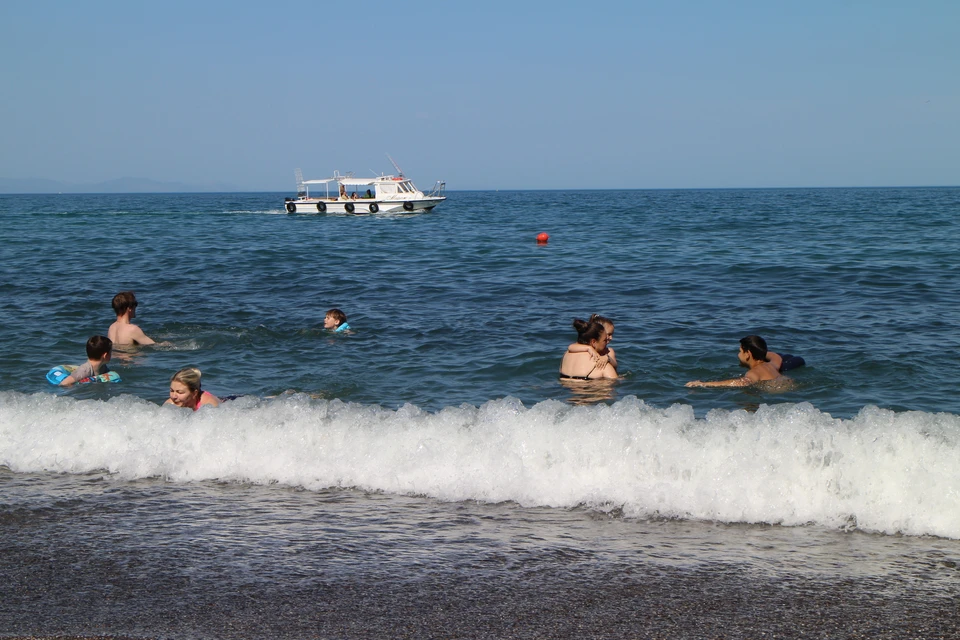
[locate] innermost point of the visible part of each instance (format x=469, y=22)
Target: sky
x=484, y=95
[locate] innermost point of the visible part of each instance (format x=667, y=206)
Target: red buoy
x=542, y=238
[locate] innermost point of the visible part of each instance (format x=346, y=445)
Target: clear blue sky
x=637, y=94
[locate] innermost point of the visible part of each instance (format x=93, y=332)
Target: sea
x=427, y=475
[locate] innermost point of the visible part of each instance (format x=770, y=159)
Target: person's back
x=580, y=364
x=124, y=332
x=761, y=371
x=99, y=349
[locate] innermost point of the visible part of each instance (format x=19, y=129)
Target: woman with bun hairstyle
x=588, y=364
x=606, y=351
x=185, y=390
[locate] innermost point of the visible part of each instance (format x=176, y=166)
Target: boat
x=349, y=194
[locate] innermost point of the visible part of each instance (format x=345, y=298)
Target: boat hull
x=360, y=206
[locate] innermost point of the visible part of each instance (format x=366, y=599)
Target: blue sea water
x=438, y=429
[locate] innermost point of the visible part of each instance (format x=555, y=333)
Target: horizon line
x=494, y=190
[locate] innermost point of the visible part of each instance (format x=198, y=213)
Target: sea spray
x=787, y=464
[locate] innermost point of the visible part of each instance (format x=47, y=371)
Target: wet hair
x=337, y=315
x=123, y=301
x=756, y=346
x=587, y=331
x=98, y=347
x=190, y=376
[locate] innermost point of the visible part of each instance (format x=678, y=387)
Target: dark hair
x=123, y=301
x=587, y=331
x=99, y=346
x=337, y=315
x=599, y=318
x=757, y=347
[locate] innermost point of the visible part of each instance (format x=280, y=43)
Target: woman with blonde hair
x=185, y=390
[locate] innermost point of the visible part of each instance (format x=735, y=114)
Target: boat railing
x=438, y=189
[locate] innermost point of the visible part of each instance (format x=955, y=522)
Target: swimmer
x=99, y=349
x=185, y=391
x=607, y=323
x=753, y=354
x=123, y=332
x=587, y=364
x=336, y=321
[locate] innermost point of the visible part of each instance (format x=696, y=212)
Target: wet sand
x=673, y=603
x=84, y=558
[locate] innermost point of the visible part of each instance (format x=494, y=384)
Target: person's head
x=334, y=319
x=185, y=388
x=123, y=301
x=99, y=348
x=755, y=346
x=590, y=333
x=606, y=322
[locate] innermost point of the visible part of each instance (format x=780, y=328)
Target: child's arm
x=68, y=381
x=576, y=347
x=599, y=360
x=611, y=357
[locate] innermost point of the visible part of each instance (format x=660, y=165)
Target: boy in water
x=124, y=332
x=336, y=321
x=99, y=349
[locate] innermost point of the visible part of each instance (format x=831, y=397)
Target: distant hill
x=120, y=185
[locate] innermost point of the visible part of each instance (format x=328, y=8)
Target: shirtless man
x=753, y=355
x=123, y=332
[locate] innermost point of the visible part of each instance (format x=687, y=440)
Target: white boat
x=349, y=194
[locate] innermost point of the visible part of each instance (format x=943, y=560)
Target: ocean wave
x=788, y=464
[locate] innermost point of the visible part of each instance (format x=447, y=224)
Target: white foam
x=790, y=464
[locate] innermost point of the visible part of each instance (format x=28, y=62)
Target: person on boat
x=753, y=355
x=588, y=364
x=369, y=194
x=123, y=332
x=607, y=351
x=185, y=390
x=353, y=196
x=343, y=192
x=99, y=349
x=336, y=321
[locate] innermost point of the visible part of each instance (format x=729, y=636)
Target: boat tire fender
x=321, y=207
x=291, y=208
x=349, y=207
x=408, y=206
x=374, y=207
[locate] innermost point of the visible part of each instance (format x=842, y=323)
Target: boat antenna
x=396, y=166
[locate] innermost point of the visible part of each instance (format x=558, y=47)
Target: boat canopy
x=358, y=182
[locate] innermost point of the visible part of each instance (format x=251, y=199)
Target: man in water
x=124, y=332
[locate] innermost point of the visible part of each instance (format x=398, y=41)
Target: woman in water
x=185, y=390
x=753, y=355
x=607, y=351
x=588, y=364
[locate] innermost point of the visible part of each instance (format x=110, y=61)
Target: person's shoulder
x=207, y=399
